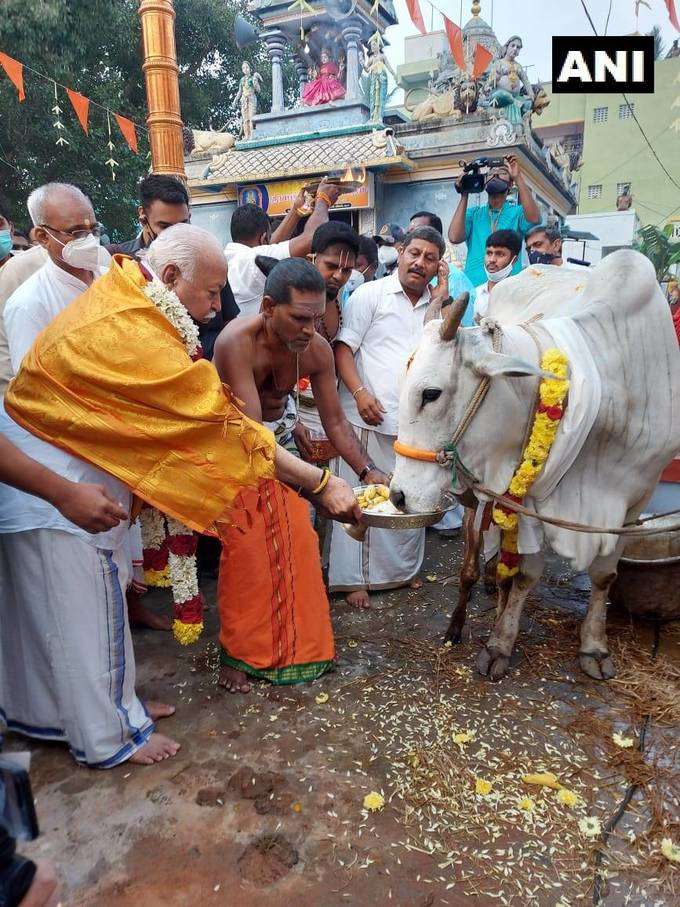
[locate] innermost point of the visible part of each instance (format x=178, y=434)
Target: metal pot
x=648, y=582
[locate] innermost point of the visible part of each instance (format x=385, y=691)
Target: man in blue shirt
x=474, y=225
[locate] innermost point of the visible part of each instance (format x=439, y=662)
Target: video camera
x=472, y=180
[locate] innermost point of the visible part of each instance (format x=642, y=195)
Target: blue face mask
x=5, y=243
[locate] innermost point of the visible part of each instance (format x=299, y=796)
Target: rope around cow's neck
x=635, y=529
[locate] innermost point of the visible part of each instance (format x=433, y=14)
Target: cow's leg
x=490, y=582
x=503, y=591
x=594, y=654
x=494, y=658
x=469, y=574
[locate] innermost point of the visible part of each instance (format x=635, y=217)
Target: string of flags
x=14, y=70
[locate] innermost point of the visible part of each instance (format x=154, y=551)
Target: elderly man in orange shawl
x=116, y=379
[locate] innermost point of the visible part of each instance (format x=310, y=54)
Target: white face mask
x=356, y=278
x=387, y=255
x=84, y=253
x=496, y=276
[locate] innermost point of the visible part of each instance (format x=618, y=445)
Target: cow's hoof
x=598, y=665
x=454, y=634
x=492, y=663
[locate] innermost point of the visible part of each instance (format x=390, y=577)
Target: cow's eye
x=430, y=394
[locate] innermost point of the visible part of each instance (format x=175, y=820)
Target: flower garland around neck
x=168, y=304
x=549, y=412
x=170, y=562
x=169, y=546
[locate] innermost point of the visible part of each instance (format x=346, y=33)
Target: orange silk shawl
x=110, y=381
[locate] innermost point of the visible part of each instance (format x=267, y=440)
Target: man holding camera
x=474, y=225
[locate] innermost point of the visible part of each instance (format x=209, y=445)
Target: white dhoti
x=386, y=558
x=67, y=669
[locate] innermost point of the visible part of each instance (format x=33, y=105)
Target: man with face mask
x=388, y=239
x=6, y=237
x=544, y=247
x=474, y=225
x=502, y=250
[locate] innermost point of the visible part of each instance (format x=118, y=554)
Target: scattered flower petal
x=374, y=801
x=590, y=827
x=527, y=804
x=464, y=737
x=321, y=698
x=670, y=850
x=543, y=779
x=297, y=807
x=568, y=797
x=483, y=787
x=624, y=742
x=352, y=643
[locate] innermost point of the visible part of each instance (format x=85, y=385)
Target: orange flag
x=414, y=12
x=127, y=127
x=81, y=106
x=482, y=59
x=15, y=71
x=672, y=14
x=455, y=36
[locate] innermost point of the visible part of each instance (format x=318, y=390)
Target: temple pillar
x=276, y=43
x=162, y=86
x=351, y=33
x=302, y=73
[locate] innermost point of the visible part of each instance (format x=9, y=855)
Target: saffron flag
x=414, y=12
x=455, y=36
x=81, y=105
x=15, y=71
x=127, y=127
x=672, y=14
x=481, y=60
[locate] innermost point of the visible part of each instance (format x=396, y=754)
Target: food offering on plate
x=373, y=497
x=377, y=510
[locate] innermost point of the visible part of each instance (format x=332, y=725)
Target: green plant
x=659, y=248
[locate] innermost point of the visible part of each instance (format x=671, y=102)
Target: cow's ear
x=493, y=364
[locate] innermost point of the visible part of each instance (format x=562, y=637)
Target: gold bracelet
x=325, y=478
x=358, y=390
x=303, y=212
x=321, y=196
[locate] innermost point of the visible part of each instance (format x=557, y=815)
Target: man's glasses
x=95, y=230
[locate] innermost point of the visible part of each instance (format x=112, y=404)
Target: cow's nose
x=398, y=498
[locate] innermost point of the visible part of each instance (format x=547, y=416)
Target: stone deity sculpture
x=376, y=67
x=510, y=88
x=248, y=89
x=325, y=87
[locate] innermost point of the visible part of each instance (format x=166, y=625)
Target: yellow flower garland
x=552, y=393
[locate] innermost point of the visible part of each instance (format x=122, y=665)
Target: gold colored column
x=162, y=86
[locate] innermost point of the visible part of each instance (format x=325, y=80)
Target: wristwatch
x=365, y=471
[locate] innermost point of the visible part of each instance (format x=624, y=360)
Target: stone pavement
x=264, y=802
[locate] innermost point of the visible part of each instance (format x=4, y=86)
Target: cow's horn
x=453, y=317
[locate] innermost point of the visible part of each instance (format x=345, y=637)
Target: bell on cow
x=244, y=33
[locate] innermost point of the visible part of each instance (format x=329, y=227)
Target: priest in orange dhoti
x=115, y=380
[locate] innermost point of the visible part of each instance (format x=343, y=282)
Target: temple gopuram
x=400, y=159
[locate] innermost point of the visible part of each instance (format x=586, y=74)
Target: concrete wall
x=215, y=218
x=396, y=202
x=615, y=151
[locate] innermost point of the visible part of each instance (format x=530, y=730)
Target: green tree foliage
x=94, y=47
x=659, y=248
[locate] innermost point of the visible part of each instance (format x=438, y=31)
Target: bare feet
x=158, y=710
x=233, y=681
x=157, y=749
x=358, y=599
x=141, y=616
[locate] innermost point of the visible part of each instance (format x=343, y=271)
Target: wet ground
x=264, y=804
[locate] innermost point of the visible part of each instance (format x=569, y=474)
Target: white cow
x=621, y=424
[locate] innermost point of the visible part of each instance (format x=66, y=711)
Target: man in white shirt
x=251, y=234
x=502, y=250
x=382, y=324
x=18, y=269
x=67, y=585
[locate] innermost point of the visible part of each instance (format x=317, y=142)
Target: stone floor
x=264, y=802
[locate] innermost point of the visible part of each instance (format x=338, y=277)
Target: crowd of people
x=198, y=380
